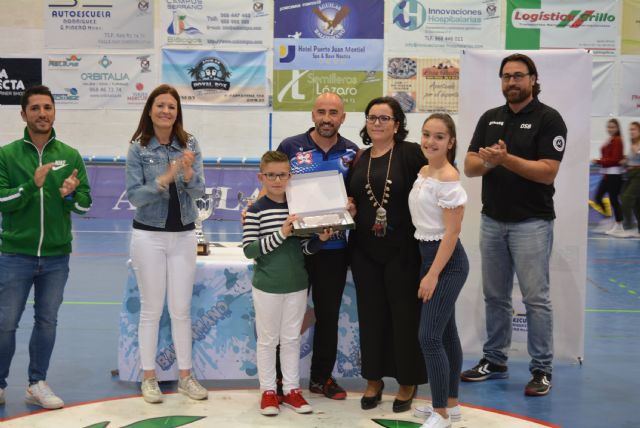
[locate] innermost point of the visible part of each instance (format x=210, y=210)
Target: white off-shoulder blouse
x=427, y=200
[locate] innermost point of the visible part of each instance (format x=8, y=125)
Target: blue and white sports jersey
x=305, y=156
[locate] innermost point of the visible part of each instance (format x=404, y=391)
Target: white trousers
x=164, y=263
x=278, y=320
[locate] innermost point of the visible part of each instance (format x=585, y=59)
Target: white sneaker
x=41, y=395
x=190, y=387
x=455, y=413
x=631, y=233
x=151, y=390
x=603, y=226
x=1, y=396
x=436, y=421
x=617, y=228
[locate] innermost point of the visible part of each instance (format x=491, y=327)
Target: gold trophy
x=205, y=206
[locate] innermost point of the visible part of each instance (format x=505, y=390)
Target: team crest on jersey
x=304, y=157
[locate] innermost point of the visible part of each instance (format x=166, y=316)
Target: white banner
x=480, y=90
x=630, y=91
x=219, y=24
x=106, y=24
x=602, y=87
x=100, y=81
x=435, y=27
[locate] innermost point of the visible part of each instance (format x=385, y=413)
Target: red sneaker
x=269, y=404
x=296, y=401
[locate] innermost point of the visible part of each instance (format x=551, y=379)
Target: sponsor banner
x=328, y=54
x=630, y=92
x=339, y=19
x=219, y=24
x=16, y=75
x=217, y=77
x=295, y=90
x=87, y=81
x=630, y=27
x=424, y=84
x=106, y=24
x=110, y=199
x=552, y=24
x=439, y=26
x=602, y=88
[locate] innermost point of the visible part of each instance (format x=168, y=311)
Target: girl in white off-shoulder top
x=437, y=203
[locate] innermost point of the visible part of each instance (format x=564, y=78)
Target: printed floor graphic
x=240, y=408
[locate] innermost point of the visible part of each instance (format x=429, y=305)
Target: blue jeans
x=48, y=275
x=523, y=248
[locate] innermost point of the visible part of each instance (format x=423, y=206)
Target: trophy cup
x=245, y=201
x=205, y=206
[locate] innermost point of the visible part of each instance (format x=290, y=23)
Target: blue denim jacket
x=144, y=164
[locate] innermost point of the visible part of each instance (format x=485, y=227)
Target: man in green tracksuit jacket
x=41, y=181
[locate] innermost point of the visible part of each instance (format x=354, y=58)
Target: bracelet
x=70, y=196
x=488, y=165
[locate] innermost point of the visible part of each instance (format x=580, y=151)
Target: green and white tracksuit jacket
x=37, y=221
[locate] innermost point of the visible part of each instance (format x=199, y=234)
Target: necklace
x=380, y=225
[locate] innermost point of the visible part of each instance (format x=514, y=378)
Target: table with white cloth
x=223, y=325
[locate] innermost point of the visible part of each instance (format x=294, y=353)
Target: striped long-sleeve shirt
x=279, y=261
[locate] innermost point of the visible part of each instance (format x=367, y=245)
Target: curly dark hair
x=398, y=116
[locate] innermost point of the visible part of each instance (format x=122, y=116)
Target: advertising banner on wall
x=217, y=77
x=630, y=39
x=437, y=26
x=602, y=89
x=630, y=92
x=551, y=24
x=424, y=84
x=220, y=24
x=105, y=24
x=86, y=81
x=322, y=46
x=16, y=75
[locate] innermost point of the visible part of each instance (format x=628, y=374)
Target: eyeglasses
x=371, y=118
x=271, y=176
x=516, y=76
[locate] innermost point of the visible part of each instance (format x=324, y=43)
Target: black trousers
x=389, y=313
x=611, y=184
x=327, y=272
x=327, y=276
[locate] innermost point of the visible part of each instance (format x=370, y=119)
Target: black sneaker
x=540, y=384
x=485, y=370
x=329, y=389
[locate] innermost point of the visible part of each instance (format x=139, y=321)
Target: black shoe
x=400, y=406
x=485, y=370
x=367, y=403
x=328, y=388
x=540, y=383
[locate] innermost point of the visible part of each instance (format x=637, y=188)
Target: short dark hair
x=531, y=68
x=398, y=116
x=273, y=156
x=35, y=90
x=145, y=131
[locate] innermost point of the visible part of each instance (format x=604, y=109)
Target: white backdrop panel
x=562, y=75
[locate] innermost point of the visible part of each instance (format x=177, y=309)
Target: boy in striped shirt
x=279, y=284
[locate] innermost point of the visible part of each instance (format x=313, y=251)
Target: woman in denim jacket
x=164, y=178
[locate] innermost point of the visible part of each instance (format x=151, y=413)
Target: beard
x=326, y=132
x=515, y=94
